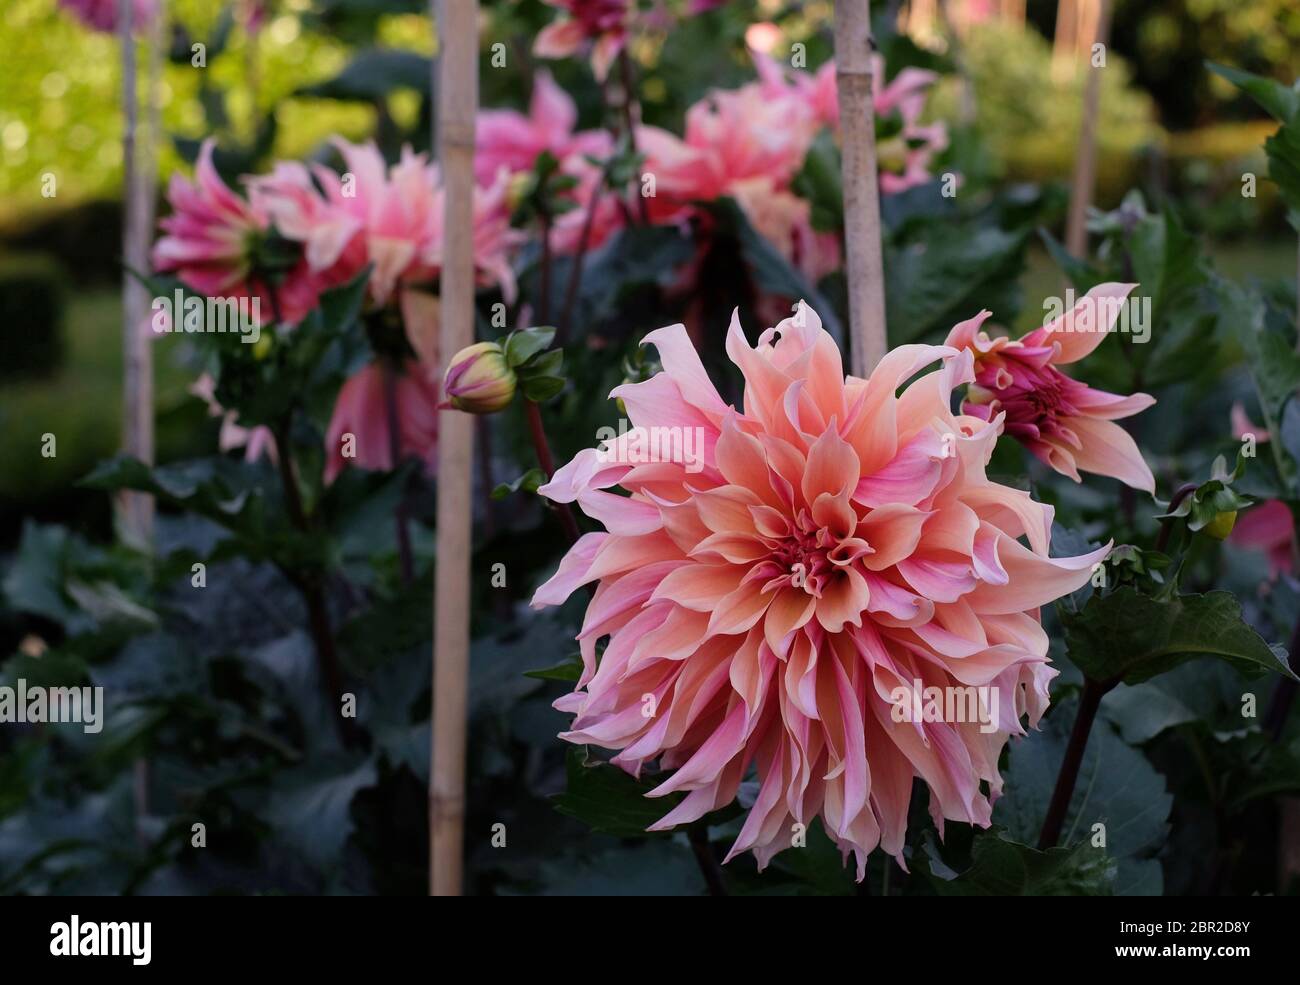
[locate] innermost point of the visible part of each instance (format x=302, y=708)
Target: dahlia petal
x=984, y=557
x=1110, y=406
x=896, y=601
x=551, y=108
x=790, y=609
x=765, y=384
x=1267, y=526
x=832, y=467
x=572, y=573
x=699, y=586
x=712, y=756
x=743, y=462
x=682, y=364
x=936, y=579
x=658, y=401
x=676, y=639
x=843, y=602
x=1080, y=330
x=621, y=514
x=1107, y=449
x=726, y=509
x=693, y=807
x=1013, y=511
x=617, y=554
x=559, y=39
x=1033, y=580
x=737, y=612
x=603, y=53
x=870, y=426
x=909, y=478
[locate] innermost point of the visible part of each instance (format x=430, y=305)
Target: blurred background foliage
x=353, y=67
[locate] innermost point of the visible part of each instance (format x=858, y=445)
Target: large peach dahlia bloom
x=832, y=543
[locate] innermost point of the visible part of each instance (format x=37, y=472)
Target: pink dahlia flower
x=362, y=412
x=772, y=599
x=1065, y=423
x=212, y=232
x=731, y=136
x=102, y=15
x=211, y=239
x=748, y=146
x=602, y=23
x=905, y=158
x=1268, y=527
x=507, y=139
x=388, y=217
x=511, y=142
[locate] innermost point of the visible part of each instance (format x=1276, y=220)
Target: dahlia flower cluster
x=747, y=144
x=371, y=215
x=750, y=143
x=839, y=545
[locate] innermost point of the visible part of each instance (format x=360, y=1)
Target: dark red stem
x=1089, y=702
x=544, y=459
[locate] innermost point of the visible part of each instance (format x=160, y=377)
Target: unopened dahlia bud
x=519, y=187
x=479, y=380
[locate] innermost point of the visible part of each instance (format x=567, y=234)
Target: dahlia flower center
x=810, y=556
x=1036, y=396
x=1044, y=403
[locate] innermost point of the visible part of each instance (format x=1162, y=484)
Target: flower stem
x=544, y=459
x=544, y=293
x=312, y=590
x=395, y=454
x=483, y=432
x=579, y=258
x=1089, y=702
x=625, y=75
x=698, y=835
x=1167, y=524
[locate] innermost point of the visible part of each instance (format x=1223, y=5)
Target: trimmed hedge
x=31, y=317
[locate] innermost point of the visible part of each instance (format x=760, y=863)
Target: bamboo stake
x=854, y=48
x=1085, y=161
x=457, y=89
x=135, y=509
x=1064, y=44
x=139, y=188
